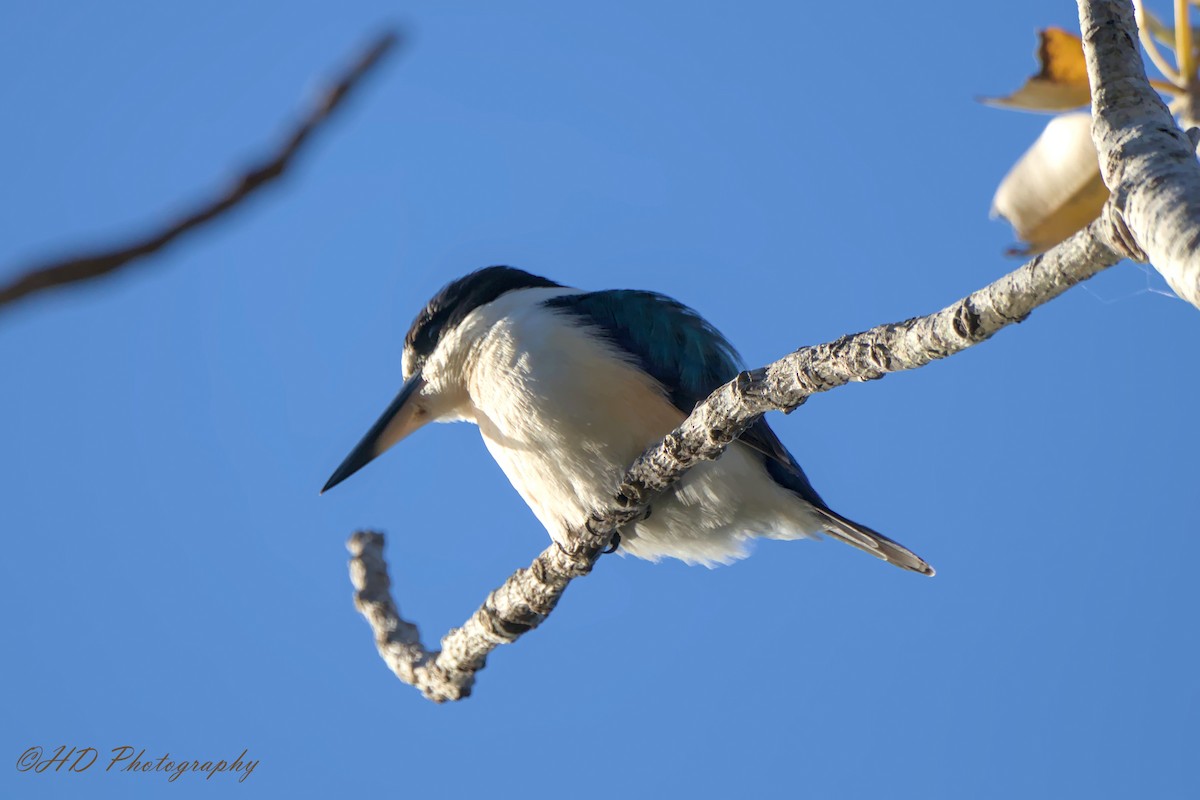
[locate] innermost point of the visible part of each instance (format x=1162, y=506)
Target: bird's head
x=435, y=353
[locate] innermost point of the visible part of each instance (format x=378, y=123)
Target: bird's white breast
x=564, y=414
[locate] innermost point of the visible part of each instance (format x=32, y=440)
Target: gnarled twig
x=1151, y=169
x=93, y=265
x=529, y=595
x=1148, y=163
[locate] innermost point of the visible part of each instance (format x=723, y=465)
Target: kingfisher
x=569, y=387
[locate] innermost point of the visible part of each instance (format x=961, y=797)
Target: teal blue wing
x=690, y=358
x=687, y=355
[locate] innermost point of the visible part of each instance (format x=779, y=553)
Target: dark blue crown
x=459, y=298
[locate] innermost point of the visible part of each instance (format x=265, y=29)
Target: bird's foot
x=614, y=544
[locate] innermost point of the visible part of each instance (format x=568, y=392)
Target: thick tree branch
x=530, y=594
x=93, y=265
x=1148, y=163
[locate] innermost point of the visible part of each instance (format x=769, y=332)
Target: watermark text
x=127, y=758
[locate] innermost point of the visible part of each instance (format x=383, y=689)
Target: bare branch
x=530, y=594
x=524, y=600
x=93, y=265
x=1148, y=163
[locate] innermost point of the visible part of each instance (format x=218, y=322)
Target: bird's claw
x=616, y=538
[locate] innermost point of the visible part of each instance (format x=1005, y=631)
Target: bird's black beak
x=400, y=419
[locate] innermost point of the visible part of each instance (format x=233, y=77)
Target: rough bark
x=1148, y=163
x=529, y=595
x=95, y=264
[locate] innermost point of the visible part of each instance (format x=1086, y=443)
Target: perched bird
x=568, y=387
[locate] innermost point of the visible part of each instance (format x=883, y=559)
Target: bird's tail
x=872, y=542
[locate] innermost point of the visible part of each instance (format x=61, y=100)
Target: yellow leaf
x=1062, y=83
x=1055, y=188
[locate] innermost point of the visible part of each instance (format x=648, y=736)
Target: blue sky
x=171, y=580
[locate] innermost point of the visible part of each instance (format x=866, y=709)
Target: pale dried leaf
x=1062, y=83
x=1055, y=189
